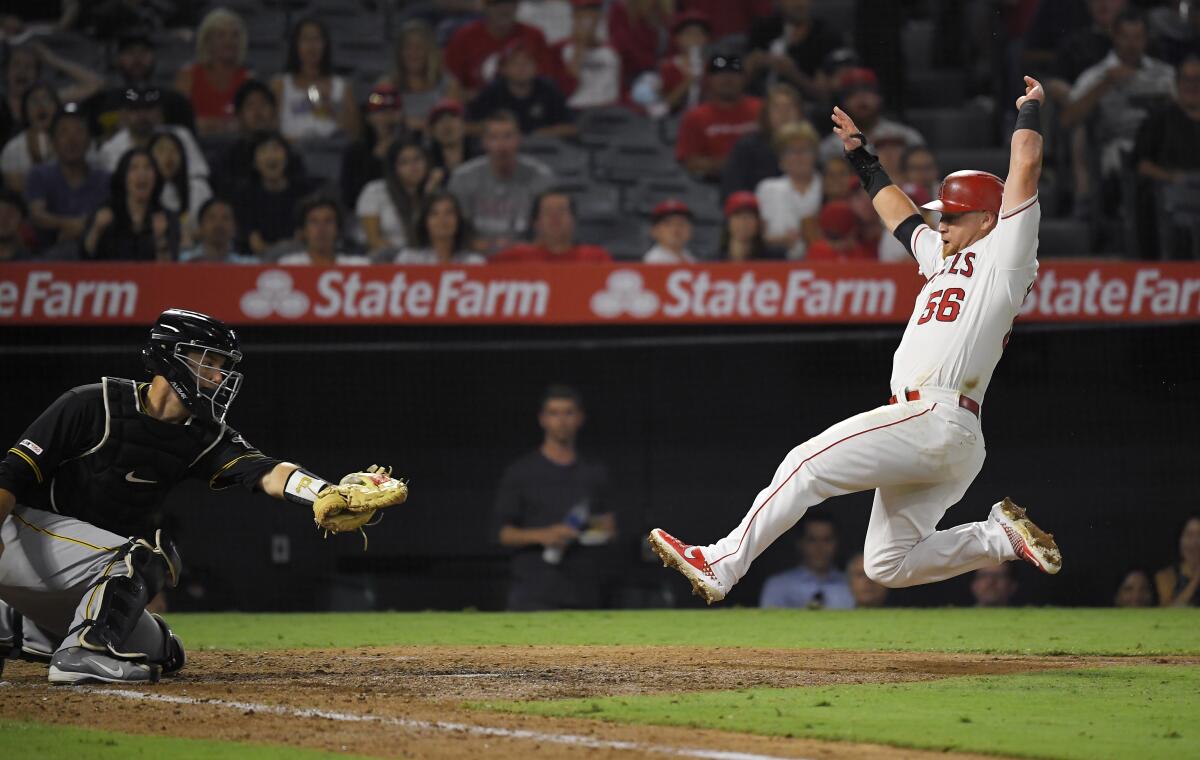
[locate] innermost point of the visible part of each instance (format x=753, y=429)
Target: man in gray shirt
x=497, y=189
x=816, y=583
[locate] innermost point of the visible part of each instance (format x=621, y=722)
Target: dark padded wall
x=1093, y=429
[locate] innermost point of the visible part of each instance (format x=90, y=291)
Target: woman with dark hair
x=419, y=74
x=1179, y=584
x=386, y=207
x=441, y=235
x=132, y=226
x=313, y=101
x=32, y=146
x=182, y=194
x=742, y=233
x=266, y=205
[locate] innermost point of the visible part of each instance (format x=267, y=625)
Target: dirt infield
x=407, y=701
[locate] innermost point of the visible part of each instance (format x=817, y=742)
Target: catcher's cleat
x=76, y=665
x=690, y=561
x=1030, y=542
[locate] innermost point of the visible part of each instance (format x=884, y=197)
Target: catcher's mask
x=196, y=354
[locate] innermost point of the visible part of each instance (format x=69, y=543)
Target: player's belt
x=970, y=404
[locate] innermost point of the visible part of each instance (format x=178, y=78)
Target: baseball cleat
x=688, y=560
x=76, y=665
x=1030, y=542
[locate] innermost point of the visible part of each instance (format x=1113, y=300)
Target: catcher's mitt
x=351, y=505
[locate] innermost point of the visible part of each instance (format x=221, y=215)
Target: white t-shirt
x=374, y=200
x=16, y=159
x=301, y=259
x=962, y=317
x=660, y=255
x=299, y=118
x=783, y=207
x=599, y=76
x=1123, y=106
x=553, y=17
x=424, y=256
x=111, y=151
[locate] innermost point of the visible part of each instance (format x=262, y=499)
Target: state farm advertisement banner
x=99, y=294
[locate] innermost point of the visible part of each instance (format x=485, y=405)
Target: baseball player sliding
x=922, y=449
x=95, y=467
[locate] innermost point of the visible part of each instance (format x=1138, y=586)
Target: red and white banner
x=112, y=294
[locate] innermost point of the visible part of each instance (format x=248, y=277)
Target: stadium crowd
x=470, y=131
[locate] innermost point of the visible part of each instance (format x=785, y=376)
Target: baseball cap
x=443, y=107
x=383, y=97
x=670, y=207
x=889, y=134
x=742, y=200
x=721, y=63
x=856, y=78
x=141, y=97
x=689, y=18
x=837, y=219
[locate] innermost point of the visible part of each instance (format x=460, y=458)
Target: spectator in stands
x=552, y=17
x=472, y=55
x=754, y=157
x=841, y=235
x=790, y=203
x=587, y=69
x=364, y=159
x=449, y=144
x=638, y=30
x=1175, y=30
x=497, y=189
x=217, y=231
x=708, y=131
x=1166, y=153
x=1179, y=584
x=256, y=110
x=681, y=76
x=134, y=66
x=31, y=147
x=211, y=81
x=919, y=168
x=545, y=501
x=23, y=69
x=791, y=46
x=993, y=586
x=730, y=19
x=182, y=194
x=13, y=213
x=1135, y=590
x=671, y=230
x=313, y=102
x=866, y=592
x=539, y=106
x=266, y=205
x=1114, y=94
x=142, y=117
x=816, y=583
x=858, y=93
x=132, y=225
x=838, y=180
x=108, y=18
x=554, y=235
x=742, y=234
x=64, y=193
x=319, y=227
x=419, y=74
x=1085, y=46
x=387, y=207
x=442, y=235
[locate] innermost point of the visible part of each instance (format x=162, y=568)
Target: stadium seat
x=323, y=157
x=1061, y=238
x=916, y=40
x=626, y=242
x=266, y=57
x=839, y=14
x=994, y=160
x=701, y=198
x=565, y=159
x=628, y=163
x=594, y=201
x=706, y=240
x=600, y=127
x=953, y=127
x=926, y=88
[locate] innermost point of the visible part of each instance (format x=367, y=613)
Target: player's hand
x=558, y=535
x=843, y=127
x=1033, y=91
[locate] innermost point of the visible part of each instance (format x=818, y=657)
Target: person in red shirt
x=554, y=241
x=473, y=52
x=709, y=130
x=840, y=227
x=681, y=75
x=638, y=30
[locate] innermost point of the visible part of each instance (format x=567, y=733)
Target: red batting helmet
x=968, y=190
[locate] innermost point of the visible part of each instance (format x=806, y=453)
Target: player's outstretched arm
x=891, y=203
x=1025, y=156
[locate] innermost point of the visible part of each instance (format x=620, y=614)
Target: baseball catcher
x=81, y=488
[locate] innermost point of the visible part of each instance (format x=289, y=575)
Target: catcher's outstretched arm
x=276, y=480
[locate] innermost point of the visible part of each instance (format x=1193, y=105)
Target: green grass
x=1016, y=631
x=21, y=741
x=1126, y=712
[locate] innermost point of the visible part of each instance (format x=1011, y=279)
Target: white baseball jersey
x=965, y=312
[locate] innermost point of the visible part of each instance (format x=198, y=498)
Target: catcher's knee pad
x=172, y=658
x=158, y=565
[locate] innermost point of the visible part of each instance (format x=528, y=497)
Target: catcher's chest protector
x=123, y=480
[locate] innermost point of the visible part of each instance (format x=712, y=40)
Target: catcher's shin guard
x=173, y=658
x=123, y=598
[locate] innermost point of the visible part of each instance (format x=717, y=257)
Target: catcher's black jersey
x=97, y=456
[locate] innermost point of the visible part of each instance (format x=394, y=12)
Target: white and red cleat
x=1030, y=542
x=690, y=561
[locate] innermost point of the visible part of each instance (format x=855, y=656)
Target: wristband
x=1029, y=116
x=872, y=175
x=302, y=487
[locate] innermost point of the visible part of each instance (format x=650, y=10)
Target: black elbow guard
x=904, y=231
x=872, y=175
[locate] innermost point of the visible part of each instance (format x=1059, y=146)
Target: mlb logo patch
x=31, y=446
